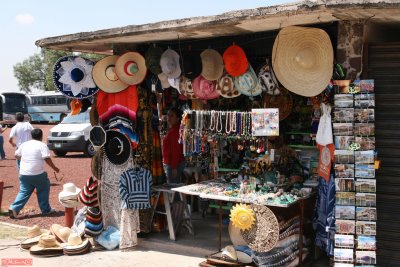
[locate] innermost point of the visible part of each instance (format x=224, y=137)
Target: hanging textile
x=324, y=222
x=130, y=226
x=135, y=188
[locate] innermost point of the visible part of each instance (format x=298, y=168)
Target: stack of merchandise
x=76, y=246
x=355, y=182
x=94, y=222
x=88, y=195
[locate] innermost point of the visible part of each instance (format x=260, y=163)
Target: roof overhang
x=227, y=24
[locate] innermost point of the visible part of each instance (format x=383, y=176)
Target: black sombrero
x=117, y=148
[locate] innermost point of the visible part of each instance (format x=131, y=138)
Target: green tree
x=37, y=70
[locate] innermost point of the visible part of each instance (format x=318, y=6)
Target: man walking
x=21, y=132
x=33, y=154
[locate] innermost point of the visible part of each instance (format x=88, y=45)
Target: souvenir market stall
x=256, y=132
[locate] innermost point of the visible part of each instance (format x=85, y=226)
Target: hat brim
x=88, y=78
x=100, y=78
x=27, y=243
x=67, y=247
x=244, y=88
x=55, y=230
x=68, y=195
x=213, y=65
x=126, y=149
x=127, y=78
x=302, y=59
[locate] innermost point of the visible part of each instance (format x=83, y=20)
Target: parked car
x=71, y=135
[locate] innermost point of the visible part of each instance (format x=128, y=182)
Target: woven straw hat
x=264, y=234
x=226, y=87
x=170, y=64
x=213, y=65
x=105, y=77
x=302, y=59
x=131, y=68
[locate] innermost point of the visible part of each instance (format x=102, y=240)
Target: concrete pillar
x=350, y=43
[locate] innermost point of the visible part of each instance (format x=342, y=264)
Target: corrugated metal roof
x=227, y=24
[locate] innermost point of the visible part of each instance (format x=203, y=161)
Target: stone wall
x=349, y=51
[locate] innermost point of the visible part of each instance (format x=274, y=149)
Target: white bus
x=49, y=106
x=10, y=104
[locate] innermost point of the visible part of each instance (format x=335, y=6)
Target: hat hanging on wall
x=131, y=68
x=302, y=59
x=186, y=88
x=105, y=77
x=205, y=89
x=117, y=148
x=213, y=65
x=169, y=63
x=72, y=76
x=226, y=87
x=152, y=59
x=235, y=61
x=248, y=83
x=192, y=65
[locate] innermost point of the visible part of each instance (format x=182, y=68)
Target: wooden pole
x=69, y=217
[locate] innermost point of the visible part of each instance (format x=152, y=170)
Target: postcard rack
x=355, y=210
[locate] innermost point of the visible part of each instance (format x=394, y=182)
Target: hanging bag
x=324, y=133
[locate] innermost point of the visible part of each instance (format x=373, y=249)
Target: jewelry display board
x=355, y=210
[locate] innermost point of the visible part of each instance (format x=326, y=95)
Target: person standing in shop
x=33, y=155
x=21, y=132
x=2, y=154
x=172, y=150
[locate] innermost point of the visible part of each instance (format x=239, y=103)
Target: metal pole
x=220, y=226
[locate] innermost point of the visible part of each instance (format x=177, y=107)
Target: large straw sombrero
x=283, y=101
x=264, y=234
x=105, y=77
x=302, y=59
x=131, y=68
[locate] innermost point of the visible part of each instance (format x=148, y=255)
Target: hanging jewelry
x=212, y=120
x=227, y=117
x=219, y=122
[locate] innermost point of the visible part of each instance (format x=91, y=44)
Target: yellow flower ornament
x=242, y=216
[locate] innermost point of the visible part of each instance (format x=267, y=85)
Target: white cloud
x=24, y=19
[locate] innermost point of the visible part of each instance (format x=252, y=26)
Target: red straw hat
x=235, y=60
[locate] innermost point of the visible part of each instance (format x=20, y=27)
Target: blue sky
x=25, y=21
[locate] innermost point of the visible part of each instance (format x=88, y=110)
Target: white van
x=71, y=135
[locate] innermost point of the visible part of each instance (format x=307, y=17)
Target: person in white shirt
x=2, y=154
x=33, y=155
x=21, y=132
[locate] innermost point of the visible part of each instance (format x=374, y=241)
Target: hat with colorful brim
x=72, y=76
x=302, y=59
x=131, y=68
x=105, y=77
x=169, y=63
x=248, y=83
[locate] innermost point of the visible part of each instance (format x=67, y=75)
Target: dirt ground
x=74, y=167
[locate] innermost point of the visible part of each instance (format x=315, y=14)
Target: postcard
x=365, y=200
x=364, y=101
x=344, y=241
x=345, y=212
x=366, y=143
x=366, y=86
x=365, y=185
x=343, y=255
x=366, y=257
x=365, y=171
x=364, y=129
x=345, y=227
x=364, y=115
x=343, y=129
x=344, y=184
x=366, y=214
x=343, y=115
x=365, y=242
x=345, y=198
x=365, y=228
x=364, y=157
x=344, y=156
x=344, y=170
x=265, y=122
x=343, y=142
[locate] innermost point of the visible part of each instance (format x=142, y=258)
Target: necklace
x=212, y=120
x=218, y=126
x=233, y=122
x=227, y=118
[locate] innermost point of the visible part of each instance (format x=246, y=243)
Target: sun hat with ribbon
x=192, y=65
x=205, y=89
x=235, y=60
x=213, y=65
x=72, y=75
x=152, y=59
x=248, y=83
x=169, y=63
x=60, y=232
x=34, y=234
x=47, y=246
x=264, y=233
x=117, y=148
x=226, y=87
x=105, y=77
x=302, y=59
x=131, y=68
